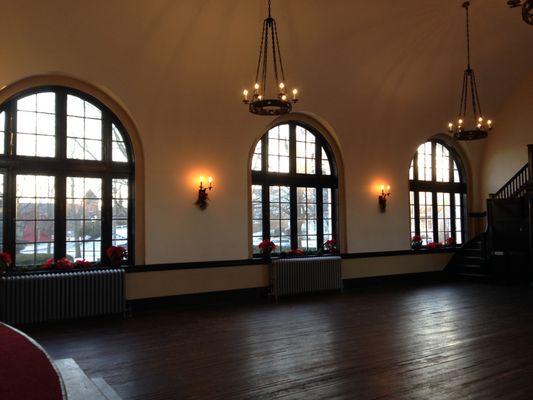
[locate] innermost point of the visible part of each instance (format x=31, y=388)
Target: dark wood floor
x=422, y=340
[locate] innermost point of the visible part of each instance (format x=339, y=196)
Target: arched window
x=66, y=177
x=437, y=193
x=294, y=189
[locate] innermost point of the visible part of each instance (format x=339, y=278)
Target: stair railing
x=516, y=187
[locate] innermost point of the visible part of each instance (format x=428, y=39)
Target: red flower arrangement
x=267, y=246
x=5, y=261
x=331, y=246
x=64, y=264
x=434, y=245
x=116, y=254
x=416, y=242
x=296, y=252
x=49, y=264
x=83, y=264
x=450, y=242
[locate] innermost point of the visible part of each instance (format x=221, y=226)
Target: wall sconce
x=382, y=199
x=202, y=193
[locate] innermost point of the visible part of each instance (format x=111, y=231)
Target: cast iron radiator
x=31, y=298
x=305, y=275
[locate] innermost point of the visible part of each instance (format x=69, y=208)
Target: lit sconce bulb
x=450, y=126
x=256, y=86
x=489, y=123
x=382, y=188
x=388, y=188
x=282, y=86
x=260, y=97
x=245, y=94
x=284, y=98
x=479, y=126
x=294, y=94
x=460, y=121
x=480, y=119
x=210, y=179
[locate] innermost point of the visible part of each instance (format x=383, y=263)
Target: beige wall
x=186, y=281
x=506, y=149
x=384, y=75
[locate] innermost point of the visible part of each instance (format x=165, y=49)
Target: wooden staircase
x=505, y=250
x=470, y=261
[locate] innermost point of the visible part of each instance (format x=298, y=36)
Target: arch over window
x=294, y=189
x=66, y=177
x=437, y=193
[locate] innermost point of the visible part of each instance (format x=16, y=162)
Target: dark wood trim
x=238, y=296
x=481, y=214
x=261, y=261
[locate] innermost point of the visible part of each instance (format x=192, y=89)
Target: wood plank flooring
x=405, y=340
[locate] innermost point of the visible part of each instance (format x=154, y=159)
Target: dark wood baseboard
x=260, y=294
x=261, y=261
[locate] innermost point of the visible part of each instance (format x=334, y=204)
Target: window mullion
x=320, y=216
x=107, y=213
x=10, y=214
x=294, y=218
x=60, y=224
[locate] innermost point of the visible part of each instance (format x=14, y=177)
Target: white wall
x=506, y=150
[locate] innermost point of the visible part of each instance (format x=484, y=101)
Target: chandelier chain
x=260, y=52
x=279, y=52
x=466, y=5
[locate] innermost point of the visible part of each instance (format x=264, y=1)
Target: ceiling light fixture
x=257, y=100
x=527, y=9
x=462, y=129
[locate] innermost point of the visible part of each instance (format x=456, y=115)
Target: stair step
x=79, y=386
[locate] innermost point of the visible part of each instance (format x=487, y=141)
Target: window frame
x=416, y=186
x=294, y=180
x=62, y=167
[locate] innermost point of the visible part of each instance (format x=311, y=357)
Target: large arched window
x=437, y=193
x=294, y=189
x=66, y=177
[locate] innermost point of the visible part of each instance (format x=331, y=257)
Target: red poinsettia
x=5, y=261
x=64, y=264
x=331, y=246
x=116, y=254
x=450, y=242
x=83, y=264
x=296, y=252
x=267, y=246
x=416, y=239
x=434, y=245
x=49, y=264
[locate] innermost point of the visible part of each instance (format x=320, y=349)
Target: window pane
x=119, y=153
x=257, y=217
x=327, y=214
x=326, y=168
x=84, y=130
x=35, y=125
x=119, y=207
x=442, y=163
x=306, y=218
x=279, y=214
x=278, y=149
x=84, y=215
x=426, y=216
x=2, y=131
x=34, y=221
x=305, y=151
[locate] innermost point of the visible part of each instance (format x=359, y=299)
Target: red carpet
x=26, y=373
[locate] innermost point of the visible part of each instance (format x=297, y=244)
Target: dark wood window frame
x=435, y=187
x=61, y=167
x=294, y=180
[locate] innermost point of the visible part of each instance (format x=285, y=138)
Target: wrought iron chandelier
x=257, y=101
x=461, y=130
x=527, y=9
